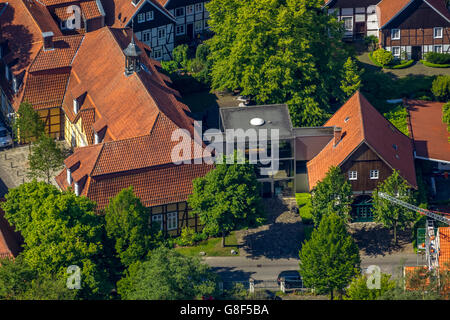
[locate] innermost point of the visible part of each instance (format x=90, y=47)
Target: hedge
x=434, y=65
x=304, y=206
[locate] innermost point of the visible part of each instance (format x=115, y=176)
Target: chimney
x=48, y=40
x=337, y=135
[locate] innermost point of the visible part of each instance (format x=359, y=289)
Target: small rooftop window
x=257, y=122
x=346, y=119
x=395, y=147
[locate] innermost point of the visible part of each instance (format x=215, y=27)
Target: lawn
x=212, y=247
x=304, y=206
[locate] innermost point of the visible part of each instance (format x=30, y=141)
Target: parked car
x=292, y=279
x=5, y=138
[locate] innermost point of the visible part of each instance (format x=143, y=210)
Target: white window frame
x=141, y=17
x=199, y=7
x=343, y=18
x=157, y=54
x=393, y=31
x=198, y=26
x=441, y=32
x=158, y=218
x=399, y=51
x=149, y=15
x=374, y=174
x=163, y=31
x=146, y=34
x=190, y=9
x=181, y=15
x=172, y=221
x=353, y=175
x=177, y=29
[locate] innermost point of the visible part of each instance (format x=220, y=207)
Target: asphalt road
x=242, y=268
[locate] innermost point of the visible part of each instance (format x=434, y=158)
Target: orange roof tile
x=429, y=132
x=444, y=247
x=387, y=9
x=10, y=240
x=364, y=125
x=90, y=9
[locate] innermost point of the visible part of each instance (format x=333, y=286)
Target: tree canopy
x=358, y=289
x=389, y=214
x=227, y=198
x=45, y=158
x=330, y=259
x=28, y=124
x=60, y=230
x=331, y=195
x=167, y=275
x=128, y=225
x=279, y=52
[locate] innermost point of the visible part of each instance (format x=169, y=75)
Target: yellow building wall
x=74, y=134
x=52, y=120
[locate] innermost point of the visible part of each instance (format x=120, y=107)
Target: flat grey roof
x=275, y=116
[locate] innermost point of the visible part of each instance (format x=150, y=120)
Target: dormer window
x=76, y=106
x=96, y=138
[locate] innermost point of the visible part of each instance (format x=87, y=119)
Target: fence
x=251, y=285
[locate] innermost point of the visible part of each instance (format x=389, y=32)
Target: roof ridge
x=362, y=115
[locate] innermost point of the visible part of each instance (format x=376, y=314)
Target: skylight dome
x=257, y=122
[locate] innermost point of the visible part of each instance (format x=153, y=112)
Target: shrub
x=371, y=42
x=397, y=117
x=189, y=237
x=169, y=66
x=401, y=65
x=383, y=57
x=304, y=206
x=446, y=114
x=180, y=55
x=433, y=65
x=437, y=58
x=441, y=88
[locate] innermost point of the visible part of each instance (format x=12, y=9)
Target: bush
x=441, y=88
x=446, y=114
x=383, y=57
x=180, y=55
x=304, y=206
x=401, y=65
x=398, y=117
x=189, y=237
x=437, y=58
x=169, y=66
x=433, y=65
x=371, y=42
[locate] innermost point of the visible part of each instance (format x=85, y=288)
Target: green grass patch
x=212, y=247
x=398, y=117
x=304, y=206
x=434, y=65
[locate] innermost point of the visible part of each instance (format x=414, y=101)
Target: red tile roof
x=387, y=9
x=428, y=130
x=444, y=247
x=364, y=125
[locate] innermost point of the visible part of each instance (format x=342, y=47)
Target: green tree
x=351, y=78
x=441, y=88
x=18, y=281
x=332, y=194
x=279, y=52
x=359, y=290
x=227, y=198
x=127, y=224
x=389, y=214
x=45, y=158
x=167, y=275
x=60, y=230
x=330, y=259
x=28, y=125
